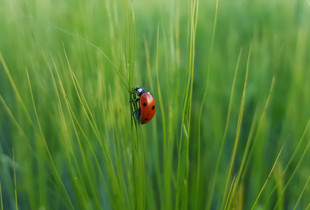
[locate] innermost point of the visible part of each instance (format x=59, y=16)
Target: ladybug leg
x=134, y=100
x=132, y=92
x=137, y=113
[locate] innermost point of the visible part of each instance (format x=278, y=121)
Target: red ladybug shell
x=148, y=107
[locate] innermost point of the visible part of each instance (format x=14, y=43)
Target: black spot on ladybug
x=144, y=104
x=153, y=107
x=146, y=119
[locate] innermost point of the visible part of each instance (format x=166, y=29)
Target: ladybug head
x=140, y=90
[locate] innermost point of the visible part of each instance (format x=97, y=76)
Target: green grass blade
x=76, y=36
x=154, y=125
x=74, y=121
x=46, y=146
x=167, y=180
x=291, y=159
x=15, y=184
x=260, y=123
x=83, y=101
x=240, y=117
x=295, y=170
x=77, y=144
x=1, y=199
x=302, y=192
x=183, y=154
x=244, y=158
x=12, y=117
x=17, y=94
x=209, y=200
x=274, y=164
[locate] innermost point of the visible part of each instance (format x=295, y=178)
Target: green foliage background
x=232, y=122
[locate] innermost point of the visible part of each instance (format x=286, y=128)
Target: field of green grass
x=231, y=80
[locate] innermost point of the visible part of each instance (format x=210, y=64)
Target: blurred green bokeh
x=82, y=153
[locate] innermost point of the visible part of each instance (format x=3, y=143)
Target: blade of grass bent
x=79, y=186
x=89, y=115
x=17, y=94
x=12, y=117
x=86, y=167
x=46, y=146
x=84, y=40
x=32, y=123
x=83, y=101
x=14, y=120
x=70, y=153
x=74, y=121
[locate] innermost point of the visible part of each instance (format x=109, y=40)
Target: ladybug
x=147, y=105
